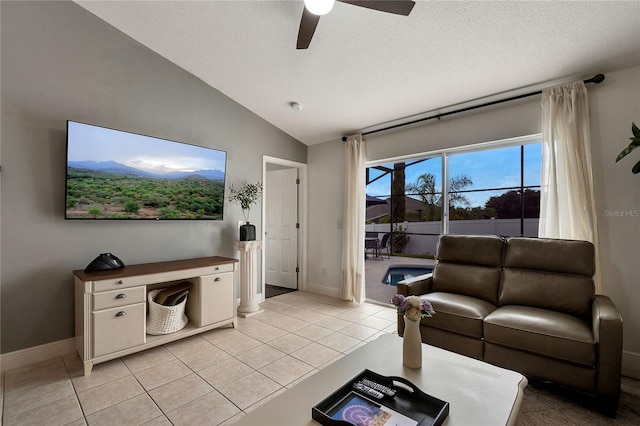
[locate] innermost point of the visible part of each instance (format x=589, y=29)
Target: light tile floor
x=209, y=379
x=216, y=377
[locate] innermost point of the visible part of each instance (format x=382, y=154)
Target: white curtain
x=567, y=203
x=353, y=221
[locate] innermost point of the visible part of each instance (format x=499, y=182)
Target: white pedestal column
x=248, y=277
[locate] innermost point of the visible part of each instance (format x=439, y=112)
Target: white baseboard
x=631, y=364
x=324, y=290
x=24, y=357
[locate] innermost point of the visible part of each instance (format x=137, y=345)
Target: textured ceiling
x=364, y=67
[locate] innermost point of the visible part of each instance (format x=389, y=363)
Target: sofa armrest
x=607, y=331
x=415, y=286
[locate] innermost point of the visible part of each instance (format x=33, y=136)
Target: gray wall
x=59, y=62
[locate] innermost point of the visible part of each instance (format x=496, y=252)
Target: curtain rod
x=597, y=79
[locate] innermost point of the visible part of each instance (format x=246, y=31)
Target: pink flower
x=413, y=307
x=427, y=307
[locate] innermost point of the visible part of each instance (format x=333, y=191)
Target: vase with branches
x=246, y=195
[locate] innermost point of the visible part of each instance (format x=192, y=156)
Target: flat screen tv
x=113, y=174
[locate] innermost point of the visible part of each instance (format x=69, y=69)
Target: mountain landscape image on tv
x=112, y=174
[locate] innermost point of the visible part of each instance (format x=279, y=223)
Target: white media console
x=111, y=306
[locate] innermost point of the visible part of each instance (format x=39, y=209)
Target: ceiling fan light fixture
x=319, y=7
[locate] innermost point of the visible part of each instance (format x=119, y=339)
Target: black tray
x=409, y=401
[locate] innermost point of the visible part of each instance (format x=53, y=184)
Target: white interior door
x=281, y=233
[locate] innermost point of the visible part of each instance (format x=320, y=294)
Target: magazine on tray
x=360, y=411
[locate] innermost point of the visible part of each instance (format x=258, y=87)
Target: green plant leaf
x=635, y=143
x=625, y=151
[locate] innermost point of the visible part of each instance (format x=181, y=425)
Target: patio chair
x=372, y=243
x=385, y=244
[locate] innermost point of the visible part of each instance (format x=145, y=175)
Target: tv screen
x=112, y=174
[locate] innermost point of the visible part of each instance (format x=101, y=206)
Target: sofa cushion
x=571, y=294
x=550, y=255
x=469, y=265
x=457, y=313
x=542, y=332
x=469, y=280
x=549, y=274
x=482, y=250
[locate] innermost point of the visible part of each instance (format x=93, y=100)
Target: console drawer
x=118, y=328
x=225, y=267
x=117, y=283
x=155, y=278
x=114, y=298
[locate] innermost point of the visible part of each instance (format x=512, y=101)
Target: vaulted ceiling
x=365, y=67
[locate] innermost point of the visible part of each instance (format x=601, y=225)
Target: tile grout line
x=75, y=390
x=285, y=305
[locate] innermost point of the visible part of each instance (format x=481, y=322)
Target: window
x=500, y=184
x=494, y=189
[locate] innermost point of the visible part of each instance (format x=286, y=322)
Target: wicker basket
x=165, y=319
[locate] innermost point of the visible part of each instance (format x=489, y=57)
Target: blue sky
x=86, y=142
x=494, y=168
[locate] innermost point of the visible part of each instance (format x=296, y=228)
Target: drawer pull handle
x=217, y=279
x=121, y=296
x=217, y=268
x=120, y=282
x=121, y=314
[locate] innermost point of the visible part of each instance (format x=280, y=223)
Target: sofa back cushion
x=549, y=274
x=469, y=265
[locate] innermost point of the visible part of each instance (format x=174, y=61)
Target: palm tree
x=456, y=185
x=398, y=193
x=425, y=188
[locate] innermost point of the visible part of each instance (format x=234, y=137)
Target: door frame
x=302, y=218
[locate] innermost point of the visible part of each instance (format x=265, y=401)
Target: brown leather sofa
x=526, y=304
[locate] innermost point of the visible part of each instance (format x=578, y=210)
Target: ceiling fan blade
x=308, y=24
x=399, y=7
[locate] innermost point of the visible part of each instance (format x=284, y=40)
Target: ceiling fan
x=313, y=9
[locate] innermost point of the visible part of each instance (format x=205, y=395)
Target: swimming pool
x=402, y=272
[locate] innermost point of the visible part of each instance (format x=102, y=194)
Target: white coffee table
x=478, y=393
